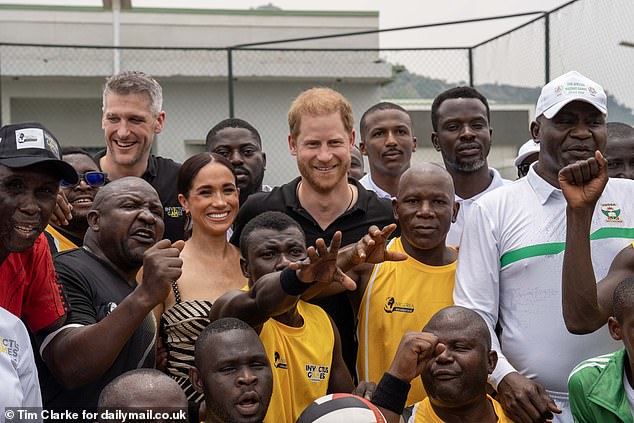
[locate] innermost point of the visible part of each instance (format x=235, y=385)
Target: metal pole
x=116, y=35
x=547, y=47
x=471, y=67
x=230, y=80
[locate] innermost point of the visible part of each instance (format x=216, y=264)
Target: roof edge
x=165, y=10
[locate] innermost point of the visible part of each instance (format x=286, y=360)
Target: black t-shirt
x=93, y=289
x=162, y=174
x=369, y=210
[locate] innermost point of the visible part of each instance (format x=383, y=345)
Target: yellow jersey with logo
x=424, y=413
x=300, y=359
x=400, y=296
x=61, y=242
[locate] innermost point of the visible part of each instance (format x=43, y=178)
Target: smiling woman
x=211, y=266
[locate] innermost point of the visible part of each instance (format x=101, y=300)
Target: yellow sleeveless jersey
x=300, y=360
x=61, y=241
x=424, y=413
x=400, y=296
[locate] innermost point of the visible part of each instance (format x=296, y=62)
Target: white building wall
x=61, y=87
x=71, y=109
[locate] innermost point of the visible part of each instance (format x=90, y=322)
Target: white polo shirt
x=456, y=229
x=369, y=184
x=509, y=271
x=19, y=386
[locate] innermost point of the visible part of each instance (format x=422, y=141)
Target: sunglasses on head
x=94, y=179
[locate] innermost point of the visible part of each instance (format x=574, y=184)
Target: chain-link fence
x=61, y=85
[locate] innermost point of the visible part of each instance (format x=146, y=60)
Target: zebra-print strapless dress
x=180, y=326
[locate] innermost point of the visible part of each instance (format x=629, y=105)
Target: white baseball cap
x=569, y=87
x=528, y=148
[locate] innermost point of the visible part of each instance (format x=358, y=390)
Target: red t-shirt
x=29, y=288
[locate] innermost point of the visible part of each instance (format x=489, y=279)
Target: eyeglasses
x=94, y=179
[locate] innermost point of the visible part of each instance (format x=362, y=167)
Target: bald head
x=143, y=388
x=110, y=190
x=125, y=220
x=427, y=173
x=455, y=316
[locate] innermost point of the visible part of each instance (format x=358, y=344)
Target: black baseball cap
x=29, y=143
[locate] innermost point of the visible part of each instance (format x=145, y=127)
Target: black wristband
x=391, y=393
x=291, y=284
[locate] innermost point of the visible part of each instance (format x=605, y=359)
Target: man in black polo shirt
x=323, y=199
x=110, y=328
x=132, y=118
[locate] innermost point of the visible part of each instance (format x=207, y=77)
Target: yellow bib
x=400, y=296
x=301, y=359
x=424, y=413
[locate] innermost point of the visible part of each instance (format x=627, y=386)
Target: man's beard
x=471, y=166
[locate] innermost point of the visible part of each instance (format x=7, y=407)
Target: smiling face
x=573, y=134
x=128, y=219
x=458, y=375
x=388, y=142
x=271, y=251
x=130, y=128
x=323, y=149
x=242, y=149
x=212, y=199
x=81, y=196
x=236, y=377
x=464, y=135
x=424, y=207
x=27, y=201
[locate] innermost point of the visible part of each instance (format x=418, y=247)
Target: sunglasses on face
x=94, y=179
x=522, y=169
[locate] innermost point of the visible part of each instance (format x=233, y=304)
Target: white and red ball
x=337, y=408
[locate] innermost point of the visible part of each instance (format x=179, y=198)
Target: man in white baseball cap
x=512, y=251
x=569, y=87
x=527, y=155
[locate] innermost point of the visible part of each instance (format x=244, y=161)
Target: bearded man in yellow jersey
x=301, y=341
x=394, y=297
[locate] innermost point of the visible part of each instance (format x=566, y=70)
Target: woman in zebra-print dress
x=211, y=266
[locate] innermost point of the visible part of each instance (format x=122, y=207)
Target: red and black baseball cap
x=29, y=143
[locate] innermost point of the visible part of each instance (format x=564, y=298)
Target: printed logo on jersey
x=391, y=306
x=612, y=212
x=174, y=211
x=316, y=373
x=10, y=347
x=279, y=362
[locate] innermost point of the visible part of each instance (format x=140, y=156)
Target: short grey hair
x=135, y=82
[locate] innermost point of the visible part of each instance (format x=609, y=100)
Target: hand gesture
x=583, y=182
x=415, y=349
x=161, y=266
x=365, y=390
x=62, y=213
x=321, y=264
x=524, y=400
x=372, y=248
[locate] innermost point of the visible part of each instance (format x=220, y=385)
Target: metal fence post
x=470, y=51
x=230, y=80
x=547, y=47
